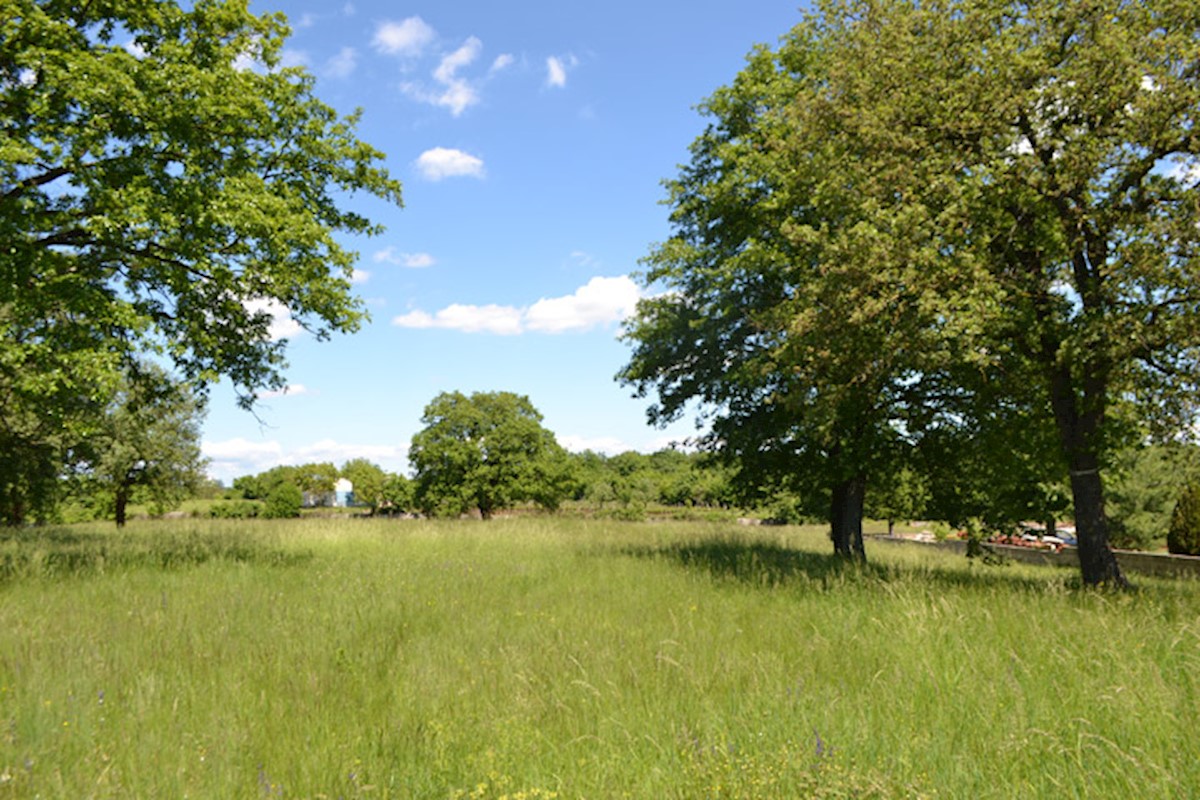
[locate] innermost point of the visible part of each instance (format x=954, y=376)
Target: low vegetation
x=546, y=657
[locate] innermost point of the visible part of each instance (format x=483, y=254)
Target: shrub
x=1183, y=537
x=240, y=509
x=283, y=501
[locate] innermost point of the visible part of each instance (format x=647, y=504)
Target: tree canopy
x=806, y=295
x=485, y=452
x=166, y=187
x=912, y=205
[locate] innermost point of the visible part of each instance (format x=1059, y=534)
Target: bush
x=1183, y=537
x=241, y=509
x=284, y=501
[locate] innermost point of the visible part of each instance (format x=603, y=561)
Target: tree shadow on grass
x=769, y=565
x=55, y=552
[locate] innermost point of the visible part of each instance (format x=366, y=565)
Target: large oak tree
x=165, y=186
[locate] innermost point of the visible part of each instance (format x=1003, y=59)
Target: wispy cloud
x=557, y=69
x=602, y=301
x=407, y=38
x=502, y=62
x=443, y=162
x=389, y=255
x=289, y=57
x=451, y=89
x=343, y=64
x=360, y=276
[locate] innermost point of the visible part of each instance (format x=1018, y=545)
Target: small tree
x=148, y=440
x=487, y=451
x=317, y=480
x=1183, y=537
x=397, y=492
x=283, y=502
x=368, y=480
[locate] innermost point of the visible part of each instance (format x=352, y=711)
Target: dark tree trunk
x=122, y=500
x=845, y=517
x=1078, y=416
x=1097, y=563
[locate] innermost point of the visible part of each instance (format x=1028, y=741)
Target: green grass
x=542, y=657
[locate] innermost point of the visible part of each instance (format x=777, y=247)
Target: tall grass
x=556, y=658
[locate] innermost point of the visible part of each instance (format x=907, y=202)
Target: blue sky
x=532, y=140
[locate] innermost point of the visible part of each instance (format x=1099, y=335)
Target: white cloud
x=442, y=162
x=307, y=20
x=502, y=62
x=600, y=302
x=388, y=255
x=282, y=326
x=407, y=38
x=447, y=70
x=453, y=91
x=556, y=73
x=291, y=390
x=343, y=64
x=360, y=276
x=608, y=445
x=236, y=457
x=557, y=68
x=501, y=320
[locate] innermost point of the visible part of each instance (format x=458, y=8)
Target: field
x=565, y=658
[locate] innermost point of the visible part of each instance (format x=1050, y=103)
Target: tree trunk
x=1097, y=563
x=122, y=500
x=845, y=517
x=1079, y=417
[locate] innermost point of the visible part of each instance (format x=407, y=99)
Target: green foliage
x=162, y=192
x=157, y=196
x=149, y=441
x=284, y=501
x=235, y=509
x=398, y=492
x=861, y=256
x=1183, y=536
x=257, y=487
x=368, y=479
x=487, y=452
x=316, y=480
x=1145, y=484
x=806, y=305
x=903, y=495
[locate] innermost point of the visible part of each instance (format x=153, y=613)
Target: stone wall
x=1131, y=561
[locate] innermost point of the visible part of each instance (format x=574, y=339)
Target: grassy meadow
x=567, y=658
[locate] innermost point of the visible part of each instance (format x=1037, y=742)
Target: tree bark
x=1097, y=563
x=1078, y=417
x=845, y=517
x=122, y=499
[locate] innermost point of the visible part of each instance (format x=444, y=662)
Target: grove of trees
x=919, y=218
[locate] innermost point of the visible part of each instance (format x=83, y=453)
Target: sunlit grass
x=570, y=658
